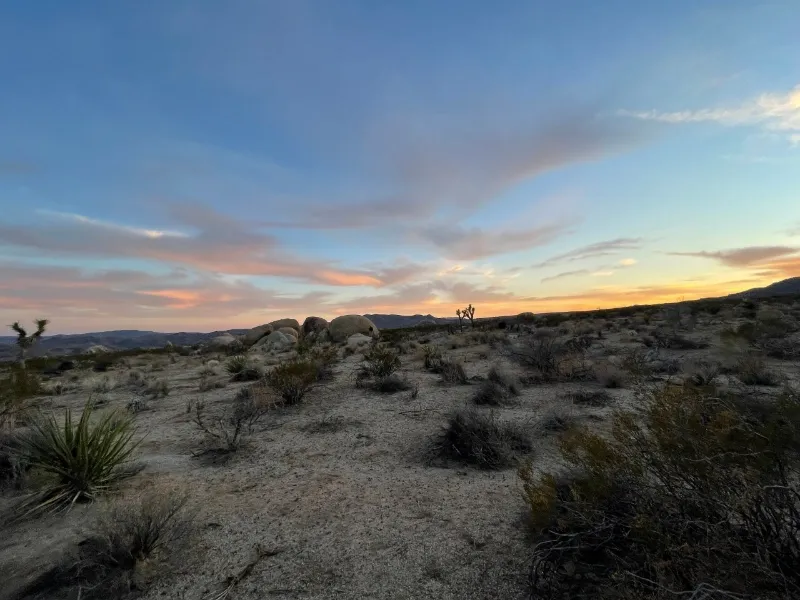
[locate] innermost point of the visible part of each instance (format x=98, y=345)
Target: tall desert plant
x=82, y=460
x=24, y=340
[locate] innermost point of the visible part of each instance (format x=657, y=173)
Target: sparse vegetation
x=226, y=433
x=17, y=390
x=477, y=438
x=695, y=500
x=491, y=393
x=452, y=372
x=595, y=398
x=751, y=369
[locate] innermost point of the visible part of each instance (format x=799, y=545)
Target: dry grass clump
x=549, y=358
x=452, y=373
x=477, y=438
x=78, y=461
x=100, y=384
x=702, y=372
x=390, y=384
x=146, y=530
x=291, y=380
x=610, y=376
x=504, y=379
x=491, y=393
x=594, y=398
x=751, y=369
x=558, y=419
x=695, y=499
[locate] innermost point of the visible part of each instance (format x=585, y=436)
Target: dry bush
x=751, y=369
x=323, y=358
x=504, y=379
x=557, y=419
x=491, y=393
x=12, y=466
x=479, y=439
x=610, y=376
x=291, y=380
x=207, y=383
x=100, y=384
x=240, y=368
x=379, y=361
x=150, y=529
x=432, y=357
x=157, y=388
x=701, y=372
x=227, y=433
x=390, y=384
x=694, y=500
x=595, y=398
x=549, y=358
x=452, y=372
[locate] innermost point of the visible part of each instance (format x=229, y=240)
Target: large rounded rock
x=358, y=341
x=276, y=341
x=343, y=327
x=290, y=331
x=314, y=325
x=222, y=341
x=256, y=333
x=286, y=323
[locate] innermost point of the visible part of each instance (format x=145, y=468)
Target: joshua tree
x=461, y=316
x=25, y=341
x=469, y=313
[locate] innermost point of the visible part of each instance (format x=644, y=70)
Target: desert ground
x=349, y=493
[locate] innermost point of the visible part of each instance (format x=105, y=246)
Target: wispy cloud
x=217, y=244
x=742, y=257
x=627, y=262
x=777, y=112
x=566, y=274
x=459, y=243
x=598, y=249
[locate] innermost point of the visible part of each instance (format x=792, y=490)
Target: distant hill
x=779, y=288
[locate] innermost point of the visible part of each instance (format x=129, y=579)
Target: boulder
x=222, y=341
x=285, y=323
x=314, y=325
x=341, y=328
x=358, y=340
x=256, y=333
x=277, y=341
x=290, y=331
x=98, y=349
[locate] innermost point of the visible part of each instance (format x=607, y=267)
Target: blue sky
x=193, y=165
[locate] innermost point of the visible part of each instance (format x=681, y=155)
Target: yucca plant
x=83, y=459
x=24, y=340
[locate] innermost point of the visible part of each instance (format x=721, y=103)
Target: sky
x=195, y=165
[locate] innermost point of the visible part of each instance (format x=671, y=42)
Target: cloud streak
x=598, y=249
x=742, y=257
x=777, y=112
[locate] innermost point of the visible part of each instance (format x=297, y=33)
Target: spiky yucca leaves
x=83, y=459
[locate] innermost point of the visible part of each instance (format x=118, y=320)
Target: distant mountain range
x=779, y=288
x=127, y=339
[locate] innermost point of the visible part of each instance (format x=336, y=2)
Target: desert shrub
x=610, y=376
x=101, y=384
x=136, y=380
x=557, y=419
x=432, y=357
x=379, y=361
x=692, y=500
x=102, y=363
x=207, y=383
x=390, y=384
x=291, y=380
x=236, y=364
x=479, y=439
x=323, y=358
x=452, y=372
x=545, y=354
x=702, y=372
x=504, y=379
x=491, y=393
x=12, y=466
x=17, y=389
x=751, y=369
x=80, y=461
x=157, y=388
x=226, y=433
x=596, y=398
x=148, y=529
x=781, y=348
